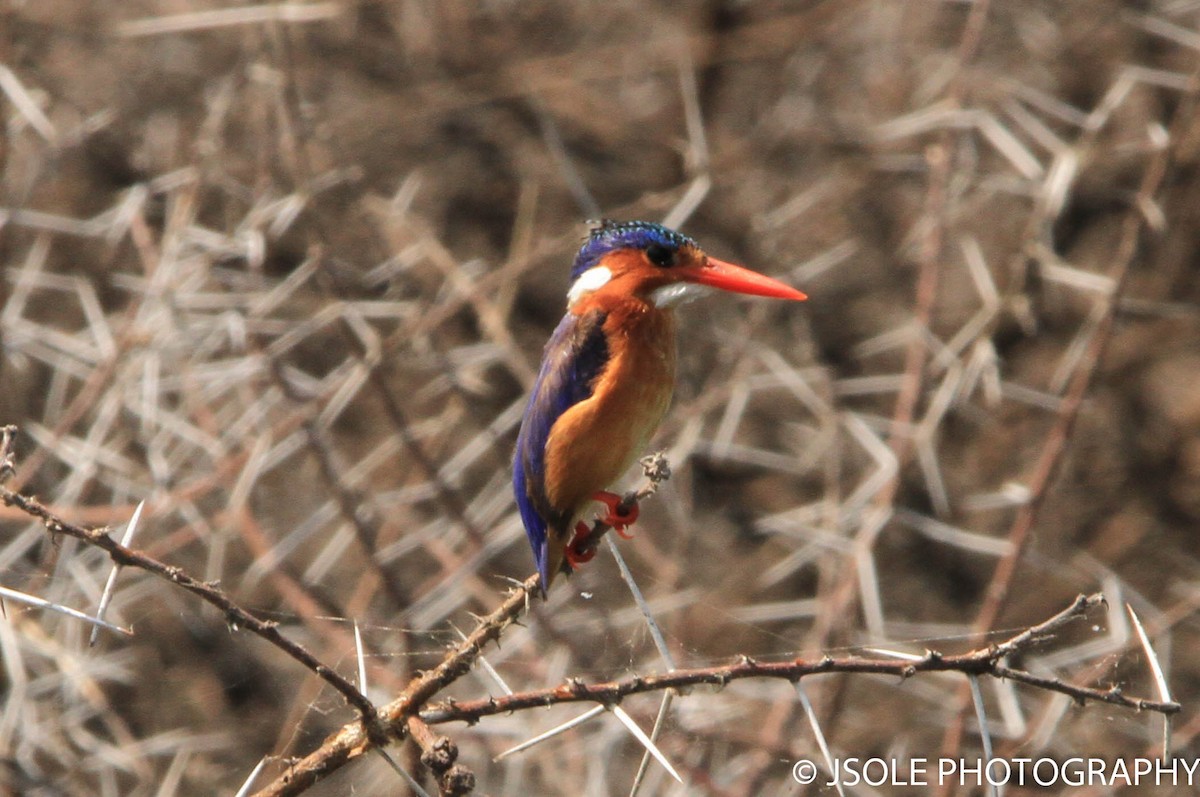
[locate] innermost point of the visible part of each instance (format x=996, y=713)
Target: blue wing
x=575, y=355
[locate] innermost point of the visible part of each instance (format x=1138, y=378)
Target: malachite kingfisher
x=607, y=376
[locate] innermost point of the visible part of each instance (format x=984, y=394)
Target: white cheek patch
x=593, y=279
x=678, y=293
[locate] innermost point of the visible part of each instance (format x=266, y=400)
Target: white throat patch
x=678, y=293
x=593, y=279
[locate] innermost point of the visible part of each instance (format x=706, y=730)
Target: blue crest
x=609, y=236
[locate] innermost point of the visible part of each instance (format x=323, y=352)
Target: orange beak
x=728, y=277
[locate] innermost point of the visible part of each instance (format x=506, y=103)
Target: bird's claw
x=580, y=550
x=621, y=515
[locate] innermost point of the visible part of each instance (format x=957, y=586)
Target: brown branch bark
x=982, y=661
x=354, y=739
x=235, y=615
x=409, y=714
x=439, y=753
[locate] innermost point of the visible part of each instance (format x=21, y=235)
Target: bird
x=606, y=379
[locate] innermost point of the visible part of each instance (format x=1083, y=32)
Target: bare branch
x=235, y=615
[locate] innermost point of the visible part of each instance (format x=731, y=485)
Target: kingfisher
x=606, y=379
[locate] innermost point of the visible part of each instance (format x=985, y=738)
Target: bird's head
x=653, y=263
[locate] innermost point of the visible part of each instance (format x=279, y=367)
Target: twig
x=549, y=734
x=979, y=662
x=815, y=724
x=982, y=661
x=985, y=734
x=656, y=634
x=353, y=740
x=33, y=600
x=254, y=773
x=439, y=753
x=1160, y=679
x=657, y=470
x=645, y=740
x=235, y=616
x=228, y=17
x=111, y=584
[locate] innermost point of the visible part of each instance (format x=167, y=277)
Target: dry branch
x=353, y=740
x=983, y=661
x=408, y=715
x=235, y=616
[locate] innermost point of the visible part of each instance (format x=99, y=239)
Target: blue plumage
x=610, y=236
x=574, y=357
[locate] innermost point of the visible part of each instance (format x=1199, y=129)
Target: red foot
x=582, y=549
x=576, y=552
x=618, y=516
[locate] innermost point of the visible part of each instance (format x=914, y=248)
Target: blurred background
x=284, y=272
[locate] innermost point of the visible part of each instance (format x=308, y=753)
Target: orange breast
x=594, y=442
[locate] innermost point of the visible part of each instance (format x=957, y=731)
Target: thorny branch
x=235, y=615
x=410, y=714
x=982, y=661
x=439, y=753
x=353, y=740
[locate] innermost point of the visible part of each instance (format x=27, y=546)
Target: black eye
x=661, y=256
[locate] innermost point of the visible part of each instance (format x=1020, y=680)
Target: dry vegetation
x=283, y=272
